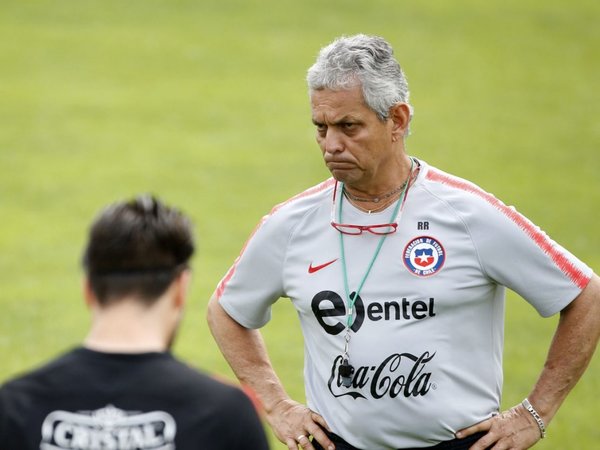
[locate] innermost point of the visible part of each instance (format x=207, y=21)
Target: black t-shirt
x=92, y=400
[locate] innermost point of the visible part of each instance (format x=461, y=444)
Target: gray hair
x=362, y=60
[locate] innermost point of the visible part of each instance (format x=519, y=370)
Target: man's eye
x=348, y=126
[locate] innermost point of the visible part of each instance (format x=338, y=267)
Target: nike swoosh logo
x=313, y=269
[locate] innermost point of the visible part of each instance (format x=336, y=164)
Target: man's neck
x=385, y=191
x=388, y=177
x=126, y=328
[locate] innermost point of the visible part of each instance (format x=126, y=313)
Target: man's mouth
x=340, y=165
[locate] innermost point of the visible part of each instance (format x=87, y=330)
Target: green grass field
x=204, y=103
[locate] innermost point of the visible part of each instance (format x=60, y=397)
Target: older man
x=398, y=273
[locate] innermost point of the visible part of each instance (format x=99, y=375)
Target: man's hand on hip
x=293, y=423
x=514, y=429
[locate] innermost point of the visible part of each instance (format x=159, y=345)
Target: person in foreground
x=398, y=272
x=123, y=389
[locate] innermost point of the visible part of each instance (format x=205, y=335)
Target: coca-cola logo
x=398, y=375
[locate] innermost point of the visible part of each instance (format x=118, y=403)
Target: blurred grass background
x=204, y=103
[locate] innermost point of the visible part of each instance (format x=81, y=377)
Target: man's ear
x=400, y=113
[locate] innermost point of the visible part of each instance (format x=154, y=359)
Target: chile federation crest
x=424, y=256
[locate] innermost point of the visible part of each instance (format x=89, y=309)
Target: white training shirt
x=427, y=341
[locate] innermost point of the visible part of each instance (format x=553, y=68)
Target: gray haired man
x=398, y=272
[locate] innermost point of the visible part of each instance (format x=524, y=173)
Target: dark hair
x=137, y=248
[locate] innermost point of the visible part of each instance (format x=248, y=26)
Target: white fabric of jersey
x=427, y=339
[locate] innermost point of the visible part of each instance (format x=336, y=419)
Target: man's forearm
x=571, y=350
x=245, y=351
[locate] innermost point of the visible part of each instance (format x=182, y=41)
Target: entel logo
x=328, y=304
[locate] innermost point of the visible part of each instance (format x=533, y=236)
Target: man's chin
x=343, y=175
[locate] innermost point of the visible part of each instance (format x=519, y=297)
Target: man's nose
x=333, y=142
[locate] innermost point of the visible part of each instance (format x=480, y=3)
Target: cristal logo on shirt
x=108, y=428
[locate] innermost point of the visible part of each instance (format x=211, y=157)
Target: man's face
x=356, y=145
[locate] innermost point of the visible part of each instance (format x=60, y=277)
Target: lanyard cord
x=351, y=300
